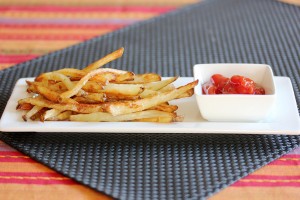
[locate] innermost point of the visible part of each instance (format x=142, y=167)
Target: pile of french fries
x=96, y=94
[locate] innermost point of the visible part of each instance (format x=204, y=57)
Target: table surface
x=32, y=28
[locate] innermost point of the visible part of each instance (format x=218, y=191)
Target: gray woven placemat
x=170, y=166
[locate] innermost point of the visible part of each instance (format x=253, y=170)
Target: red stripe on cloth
x=64, y=26
x=10, y=153
x=268, y=181
x=31, y=174
x=16, y=159
x=16, y=58
x=289, y=159
x=156, y=9
x=46, y=37
x=41, y=178
x=271, y=177
x=35, y=180
x=290, y=156
x=11, y=156
x=294, y=162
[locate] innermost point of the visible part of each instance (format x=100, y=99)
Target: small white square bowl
x=235, y=107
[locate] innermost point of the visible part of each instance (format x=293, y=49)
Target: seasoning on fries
x=96, y=94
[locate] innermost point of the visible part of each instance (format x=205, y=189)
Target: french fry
x=106, y=59
x=38, y=115
x=120, y=108
x=165, y=107
x=79, y=107
x=49, y=94
x=107, y=117
x=85, y=79
x=56, y=77
x=143, y=78
x=74, y=74
x=50, y=114
x=123, y=89
x=24, y=106
x=61, y=116
x=167, y=88
x=160, y=119
x=31, y=112
x=160, y=84
x=96, y=97
x=156, y=119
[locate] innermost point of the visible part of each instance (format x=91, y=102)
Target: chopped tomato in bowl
x=219, y=84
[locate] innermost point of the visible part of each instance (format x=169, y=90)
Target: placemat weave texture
x=170, y=166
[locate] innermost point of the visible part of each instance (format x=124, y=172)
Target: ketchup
x=237, y=84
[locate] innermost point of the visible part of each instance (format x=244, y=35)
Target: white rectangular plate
x=284, y=118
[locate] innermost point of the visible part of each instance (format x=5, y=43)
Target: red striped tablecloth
x=33, y=27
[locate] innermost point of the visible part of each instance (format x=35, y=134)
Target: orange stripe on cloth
x=98, y=2
x=6, y=65
x=87, y=9
x=51, y=36
x=23, y=167
x=5, y=157
x=280, y=170
x=68, y=15
x=49, y=192
x=29, y=46
x=54, y=30
x=257, y=193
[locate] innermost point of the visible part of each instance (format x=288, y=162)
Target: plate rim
x=150, y=127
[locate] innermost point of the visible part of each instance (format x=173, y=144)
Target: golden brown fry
x=61, y=116
x=159, y=84
x=50, y=114
x=24, y=106
x=38, y=114
x=31, y=112
x=107, y=117
x=143, y=78
x=123, y=89
x=188, y=93
x=56, y=77
x=165, y=107
x=124, y=77
x=148, y=93
x=79, y=107
x=49, y=94
x=155, y=119
x=85, y=79
x=106, y=59
x=92, y=86
x=120, y=108
x=96, y=97
x=112, y=97
x=160, y=119
x=167, y=88
x=74, y=74
x=113, y=77
x=57, y=87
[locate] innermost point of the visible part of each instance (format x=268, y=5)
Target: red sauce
x=237, y=84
